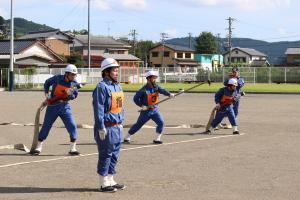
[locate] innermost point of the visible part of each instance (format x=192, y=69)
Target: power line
x=69, y=13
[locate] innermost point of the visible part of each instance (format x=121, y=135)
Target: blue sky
x=269, y=20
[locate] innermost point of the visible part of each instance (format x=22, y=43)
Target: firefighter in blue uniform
x=147, y=98
x=108, y=101
x=64, y=87
x=240, y=83
x=224, y=99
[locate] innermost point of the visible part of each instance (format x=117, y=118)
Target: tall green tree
x=206, y=43
x=142, y=49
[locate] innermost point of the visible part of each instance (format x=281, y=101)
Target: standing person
x=147, y=98
x=108, y=101
x=64, y=89
x=224, y=99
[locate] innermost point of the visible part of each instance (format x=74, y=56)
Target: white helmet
x=151, y=73
x=232, y=81
x=71, y=68
x=109, y=62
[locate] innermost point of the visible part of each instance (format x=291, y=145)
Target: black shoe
x=35, y=152
x=236, y=132
x=108, y=189
x=74, y=153
x=157, y=142
x=119, y=186
x=126, y=141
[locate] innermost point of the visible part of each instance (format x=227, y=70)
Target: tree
x=80, y=32
x=3, y=32
x=74, y=58
x=142, y=49
x=206, y=43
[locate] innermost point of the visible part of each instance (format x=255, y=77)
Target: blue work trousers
x=109, y=150
x=144, y=117
x=224, y=112
x=62, y=110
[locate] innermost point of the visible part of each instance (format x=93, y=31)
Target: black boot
x=108, y=189
x=157, y=142
x=119, y=186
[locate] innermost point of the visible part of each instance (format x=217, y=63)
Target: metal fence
x=36, y=77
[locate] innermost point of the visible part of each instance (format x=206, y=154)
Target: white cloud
x=282, y=31
x=135, y=4
x=238, y=4
x=102, y=4
x=171, y=33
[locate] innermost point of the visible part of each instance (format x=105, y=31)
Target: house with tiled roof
x=103, y=47
x=56, y=40
x=28, y=53
x=245, y=57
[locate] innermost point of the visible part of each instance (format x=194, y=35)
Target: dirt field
x=262, y=163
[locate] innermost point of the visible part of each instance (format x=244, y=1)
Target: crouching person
x=224, y=99
x=147, y=99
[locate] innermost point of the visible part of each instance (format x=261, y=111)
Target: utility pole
x=133, y=33
x=190, y=40
x=230, y=20
x=219, y=56
x=163, y=37
x=89, y=39
x=11, y=64
x=108, y=27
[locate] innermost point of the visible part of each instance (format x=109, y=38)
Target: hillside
x=23, y=26
x=274, y=50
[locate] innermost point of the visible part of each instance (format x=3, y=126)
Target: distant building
x=246, y=57
x=169, y=55
x=209, y=61
x=56, y=40
x=28, y=53
x=293, y=56
x=103, y=47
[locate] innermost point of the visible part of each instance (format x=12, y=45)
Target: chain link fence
x=35, y=77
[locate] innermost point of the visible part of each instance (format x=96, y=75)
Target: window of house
x=157, y=65
x=236, y=52
x=167, y=54
x=154, y=54
x=243, y=59
x=188, y=55
x=179, y=55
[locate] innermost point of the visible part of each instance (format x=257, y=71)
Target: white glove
x=172, y=96
x=102, y=134
x=143, y=108
x=218, y=106
x=47, y=95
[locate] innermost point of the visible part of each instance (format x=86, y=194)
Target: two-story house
x=245, y=57
x=56, y=40
x=103, y=47
x=172, y=56
x=293, y=56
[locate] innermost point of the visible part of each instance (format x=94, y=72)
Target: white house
x=246, y=56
